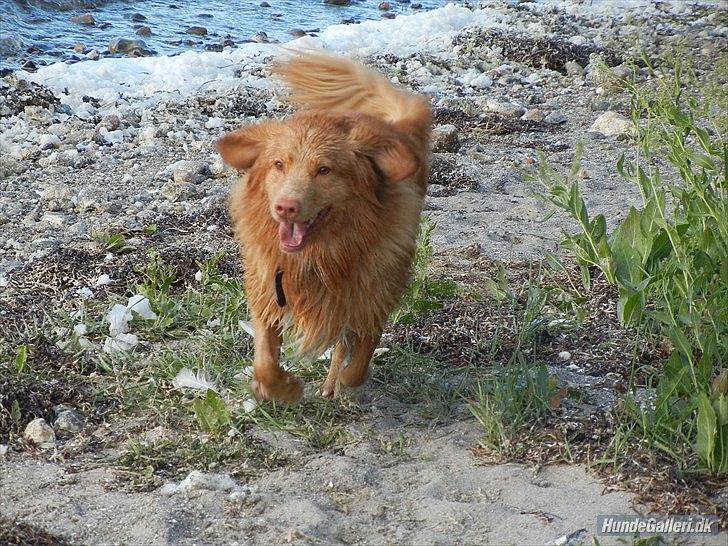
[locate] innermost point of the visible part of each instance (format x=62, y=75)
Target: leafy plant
x=668, y=260
x=113, y=242
x=211, y=412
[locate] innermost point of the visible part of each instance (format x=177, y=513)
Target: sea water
x=41, y=31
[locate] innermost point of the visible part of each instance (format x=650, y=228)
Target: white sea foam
x=122, y=83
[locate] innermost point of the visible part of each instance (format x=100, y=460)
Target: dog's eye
x=324, y=170
x=278, y=164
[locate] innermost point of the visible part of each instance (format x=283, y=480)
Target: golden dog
x=326, y=214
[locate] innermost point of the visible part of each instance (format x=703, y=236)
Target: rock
x=78, y=47
x=533, y=114
x=128, y=45
x=38, y=432
x=504, y=108
x=574, y=69
x=138, y=17
x=56, y=192
x=85, y=19
x=180, y=191
x=264, y=5
x=29, y=66
x=612, y=124
x=92, y=198
x=185, y=172
x=297, y=32
x=110, y=123
x=197, y=31
x=144, y=31
x=49, y=141
x=93, y=54
x=260, y=37
x=445, y=138
x=10, y=45
x=384, y=6
x=556, y=117
x=337, y=2
x=388, y=15
x=69, y=421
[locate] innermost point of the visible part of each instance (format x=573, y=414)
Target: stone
x=78, y=47
x=180, y=191
x=85, y=19
x=127, y=45
x=533, y=114
x=144, y=30
x=612, y=123
x=264, y=5
x=93, y=55
x=504, y=108
x=574, y=69
x=197, y=31
x=384, y=6
x=69, y=421
x=40, y=433
x=260, y=37
x=445, y=138
x=92, y=198
x=138, y=17
x=297, y=32
x=556, y=117
x=110, y=123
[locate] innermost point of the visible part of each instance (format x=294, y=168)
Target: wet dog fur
x=329, y=202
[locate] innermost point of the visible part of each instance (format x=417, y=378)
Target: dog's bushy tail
x=326, y=82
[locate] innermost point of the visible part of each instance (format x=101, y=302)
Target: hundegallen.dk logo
x=624, y=524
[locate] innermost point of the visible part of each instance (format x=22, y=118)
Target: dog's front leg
x=349, y=364
x=270, y=381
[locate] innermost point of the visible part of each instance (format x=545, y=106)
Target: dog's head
x=318, y=170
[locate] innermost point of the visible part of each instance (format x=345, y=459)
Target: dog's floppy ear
x=390, y=150
x=241, y=148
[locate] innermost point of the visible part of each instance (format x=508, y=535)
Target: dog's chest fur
x=346, y=281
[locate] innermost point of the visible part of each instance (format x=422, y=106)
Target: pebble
x=574, y=69
x=297, y=32
x=144, y=31
x=180, y=191
x=69, y=421
x=565, y=355
x=612, y=124
x=128, y=45
x=78, y=47
x=110, y=123
x=40, y=433
x=384, y=6
x=92, y=198
x=93, y=54
x=49, y=141
x=533, y=114
x=85, y=19
x=555, y=117
x=445, y=138
x=197, y=31
x=138, y=17
x=504, y=108
x=264, y=5
x=260, y=37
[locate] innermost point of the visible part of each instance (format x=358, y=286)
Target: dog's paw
x=328, y=389
x=288, y=390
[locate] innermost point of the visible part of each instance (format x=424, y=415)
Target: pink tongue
x=291, y=234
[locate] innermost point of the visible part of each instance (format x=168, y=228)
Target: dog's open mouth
x=292, y=236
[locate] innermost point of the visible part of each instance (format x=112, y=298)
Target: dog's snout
x=287, y=208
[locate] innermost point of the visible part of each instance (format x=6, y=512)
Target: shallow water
x=41, y=30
